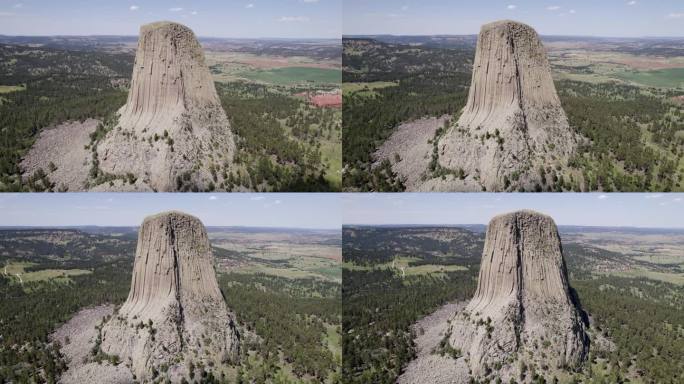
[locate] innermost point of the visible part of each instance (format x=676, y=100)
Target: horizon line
x=463, y=224
x=74, y=226
x=198, y=36
x=542, y=35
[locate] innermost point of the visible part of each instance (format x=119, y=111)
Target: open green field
x=366, y=89
x=662, y=78
x=331, y=153
x=11, y=88
x=294, y=75
x=672, y=278
x=333, y=339
x=17, y=270
x=401, y=267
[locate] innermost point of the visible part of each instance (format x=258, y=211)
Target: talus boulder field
x=513, y=122
x=523, y=311
x=175, y=312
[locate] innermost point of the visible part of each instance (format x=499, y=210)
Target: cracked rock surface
x=173, y=123
x=171, y=135
x=513, y=121
x=175, y=311
x=523, y=309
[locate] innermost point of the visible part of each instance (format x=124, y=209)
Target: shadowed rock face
x=174, y=303
x=173, y=122
x=513, y=120
x=522, y=307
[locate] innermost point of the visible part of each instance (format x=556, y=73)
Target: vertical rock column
x=513, y=120
x=522, y=308
x=175, y=309
x=172, y=127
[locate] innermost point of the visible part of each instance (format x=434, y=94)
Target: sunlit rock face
x=523, y=309
x=513, y=121
x=172, y=123
x=174, y=305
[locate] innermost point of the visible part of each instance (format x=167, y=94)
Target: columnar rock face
x=522, y=309
x=175, y=311
x=513, y=121
x=173, y=124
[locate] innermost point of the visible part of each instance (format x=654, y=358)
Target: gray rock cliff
x=523, y=308
x=173, y=123
x=513, y=121
x=175, y=311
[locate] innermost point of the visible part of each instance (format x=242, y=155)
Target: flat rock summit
x=513, y=121
x=175, y=312
x=171, y=133
x=523, y=310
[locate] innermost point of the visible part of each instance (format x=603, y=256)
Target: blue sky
x=661, y=210
x=208, y=18
x=608, y=18
x=285, y=210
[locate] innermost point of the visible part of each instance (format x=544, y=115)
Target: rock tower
x=172, y=127
x=513, y=121
x=175, y=311
x=523, y=310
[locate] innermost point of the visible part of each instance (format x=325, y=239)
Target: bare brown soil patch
x=327, y=100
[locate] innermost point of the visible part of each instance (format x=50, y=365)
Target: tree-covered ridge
x=427, y=82
x=57, y=86
x=642, y=319
x=645, y=320
x=380, y=304
x=296, y=336
x=296, y=321
x=63, y=248
x=284, y=142
x=430, y=245
x=633, y=140
x=379, y=307
x=632, y=136
x=29, y=312
x=279, y=138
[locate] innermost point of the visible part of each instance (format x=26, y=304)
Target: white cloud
x=310, y=1
x=294, y=19
x=675, y=15
x=572, y=11
x=177, y=9
x=257, y=198
x=677, y=200
x=602, y=197
x=633, y=2
x=553, y=8
x=134, y=8
x=193, y=12
x=18, y=5
x=6, y=14
x=250, y=5
x=213, y=197
x=512, y=7
x=404, y=7
x=278, y=202
x=654, y=196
